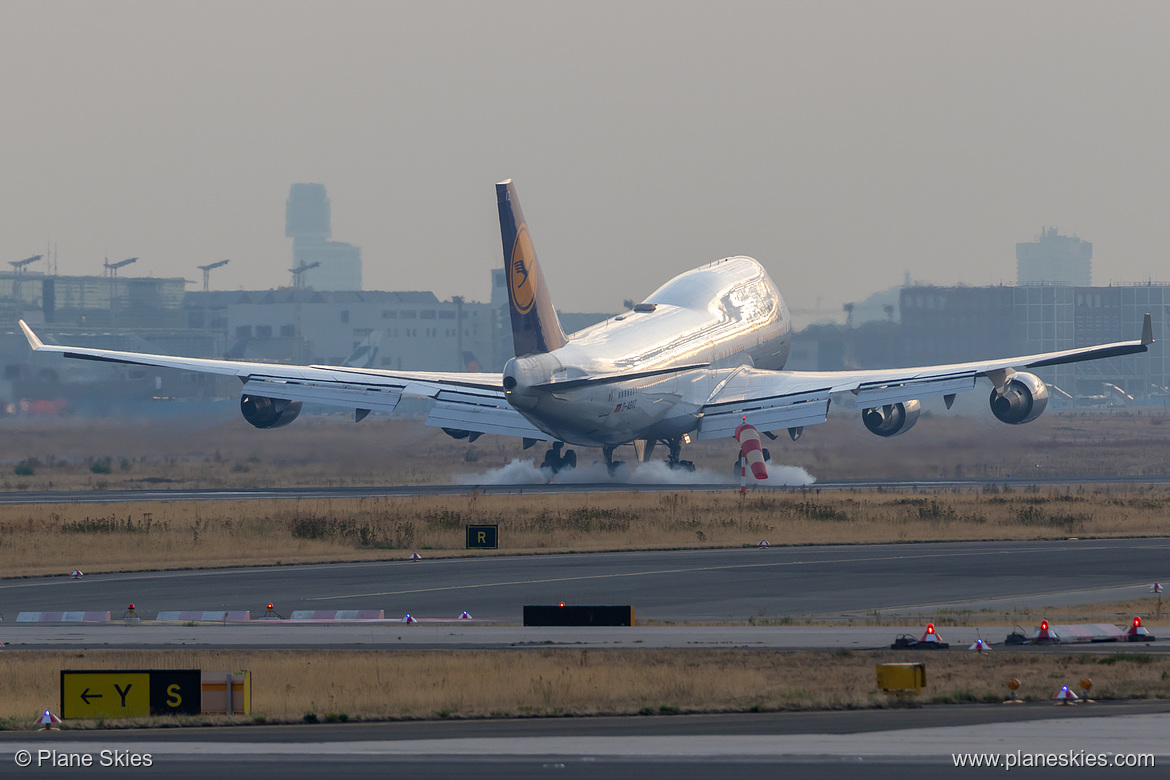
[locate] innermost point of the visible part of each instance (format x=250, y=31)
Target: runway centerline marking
x=655, y=572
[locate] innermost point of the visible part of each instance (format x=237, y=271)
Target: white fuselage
x=721, y=316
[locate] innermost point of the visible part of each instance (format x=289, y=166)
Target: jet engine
x=1023, y=401
x=269, y=412
x=891, y=419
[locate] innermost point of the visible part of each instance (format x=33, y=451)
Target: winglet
x=36, y=344
x=1147, y=330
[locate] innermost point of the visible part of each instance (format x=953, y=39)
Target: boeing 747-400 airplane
x=699, y=357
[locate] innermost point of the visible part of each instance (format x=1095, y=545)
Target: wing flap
x=912, y=391
x=503, y=420
x=380, y=399
x=766, y=416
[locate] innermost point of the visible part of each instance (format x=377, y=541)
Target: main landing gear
x=672, y=460
x=644, y=447
x=554, y=461
x=611, y=465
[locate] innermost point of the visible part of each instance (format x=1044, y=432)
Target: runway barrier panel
x=207, y=616
x=561, y=615
x=63, y=617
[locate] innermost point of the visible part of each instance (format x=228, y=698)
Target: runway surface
x=866, y=744
x=778, y=584
x=910, y=580
x=212, y=494
x=450, y=636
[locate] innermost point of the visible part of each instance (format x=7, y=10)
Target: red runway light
x=1137, y=622
x=930, y=628
x=1043, y=625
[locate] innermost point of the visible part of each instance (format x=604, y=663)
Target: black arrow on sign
x=86, y=696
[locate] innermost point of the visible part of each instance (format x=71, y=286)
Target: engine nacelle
x=1024, y=400
x=265, y=412
x=891, y=419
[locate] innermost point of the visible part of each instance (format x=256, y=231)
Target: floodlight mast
x=19, y=265
x=299, y=272
x=112, y=268
x=206, y=269
x=298, y=285
x=112, y=271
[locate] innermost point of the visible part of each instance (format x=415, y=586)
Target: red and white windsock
x=751, y=449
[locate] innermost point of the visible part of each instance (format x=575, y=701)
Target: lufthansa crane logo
x=521, y=273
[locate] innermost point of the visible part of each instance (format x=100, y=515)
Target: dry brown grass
x=485, y=683
x=221, y=450
x=1117, y=612
x=51, y=539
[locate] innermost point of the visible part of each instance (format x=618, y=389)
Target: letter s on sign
x=173, y=697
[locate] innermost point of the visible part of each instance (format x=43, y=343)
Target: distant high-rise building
x=1055, y=259
x=308, y=224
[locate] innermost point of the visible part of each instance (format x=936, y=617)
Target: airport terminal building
x=949, y=324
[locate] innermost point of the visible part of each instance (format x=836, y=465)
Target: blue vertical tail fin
x=535, y=327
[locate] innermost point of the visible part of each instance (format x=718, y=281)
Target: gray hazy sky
x=840, y=143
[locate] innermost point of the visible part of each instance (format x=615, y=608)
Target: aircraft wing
x=771, y=400
x=463, y=401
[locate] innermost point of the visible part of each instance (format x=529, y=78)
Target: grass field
x=38, y=539
x=222, y=450
x=378, y=685
x=70, y=454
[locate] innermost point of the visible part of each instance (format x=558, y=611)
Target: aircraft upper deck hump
x=535, y=327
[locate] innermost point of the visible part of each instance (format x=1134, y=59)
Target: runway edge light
x=1137, y=632
x=1065, y=696
x=1086, y=685
x=77, y=574
x=1013, y=686
x=1044, y=635
x=932, y=639
x=415, y=557
x=47, y=721
x=980, y=646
